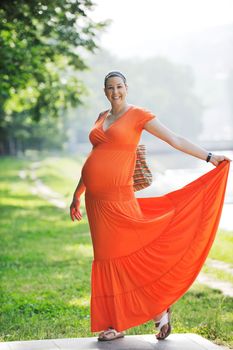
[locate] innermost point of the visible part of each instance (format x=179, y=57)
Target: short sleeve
x=100, y=115
x=144, y=116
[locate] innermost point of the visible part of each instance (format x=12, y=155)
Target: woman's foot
x=163, y=325
x=110, y=334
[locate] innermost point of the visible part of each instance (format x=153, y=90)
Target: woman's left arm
x=155, y=127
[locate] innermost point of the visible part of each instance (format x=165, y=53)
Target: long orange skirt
x=147, y=251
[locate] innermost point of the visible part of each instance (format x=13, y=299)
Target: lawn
x=46, y=263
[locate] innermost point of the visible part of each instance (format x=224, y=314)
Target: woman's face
x=116, y=90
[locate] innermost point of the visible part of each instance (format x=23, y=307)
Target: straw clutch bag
x=142, y=176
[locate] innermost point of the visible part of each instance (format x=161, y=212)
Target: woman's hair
x=114, y=73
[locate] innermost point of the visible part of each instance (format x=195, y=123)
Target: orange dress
x=147, y=251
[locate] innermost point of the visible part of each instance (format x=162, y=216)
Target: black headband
x=114, y=74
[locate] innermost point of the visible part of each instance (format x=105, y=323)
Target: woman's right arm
x=79, y=189
x=75, y=205
x=76, y=202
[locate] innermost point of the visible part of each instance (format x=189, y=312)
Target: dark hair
x=114, y=73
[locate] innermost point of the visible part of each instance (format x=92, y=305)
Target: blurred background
x=178, y=60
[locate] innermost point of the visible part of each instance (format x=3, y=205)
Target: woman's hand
x=75, y=209
x=217, y=159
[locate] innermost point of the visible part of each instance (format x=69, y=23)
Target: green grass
x=221, y=250
x=203, y=311
x=61, y=174
x=223, y=247
x=46, y=264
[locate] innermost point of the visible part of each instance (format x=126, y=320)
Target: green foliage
x=42, y=44
x=25, y=133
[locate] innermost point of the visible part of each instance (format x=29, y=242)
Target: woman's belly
x=105, y=169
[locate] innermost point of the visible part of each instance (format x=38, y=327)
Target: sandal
x=165, y=320
x=110, y=334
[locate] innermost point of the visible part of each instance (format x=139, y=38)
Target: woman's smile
x=115, y=90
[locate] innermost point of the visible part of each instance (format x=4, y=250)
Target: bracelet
x=208, y=157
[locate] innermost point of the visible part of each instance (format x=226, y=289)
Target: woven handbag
x=142, y=176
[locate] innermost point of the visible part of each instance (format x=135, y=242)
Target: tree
x=42, y=45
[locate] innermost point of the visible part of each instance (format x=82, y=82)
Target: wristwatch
x=208, y=157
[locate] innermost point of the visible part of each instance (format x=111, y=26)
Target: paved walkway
x=225, y=287
x=40, y=189
x=186, y=341
x=220, y=265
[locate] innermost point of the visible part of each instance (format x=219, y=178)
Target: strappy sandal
x=165, y=320
x=110, y=334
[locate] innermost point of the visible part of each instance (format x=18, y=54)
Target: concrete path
x=220, y=265
x=225, y=287
x=186, y=341
x=40, y=189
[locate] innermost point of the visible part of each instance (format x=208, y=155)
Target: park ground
x=46, y=263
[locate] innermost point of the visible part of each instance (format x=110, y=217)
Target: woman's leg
x=158, y=317
x=165, y=328
x=110, y=334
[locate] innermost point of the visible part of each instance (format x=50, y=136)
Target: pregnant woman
x=147, y=251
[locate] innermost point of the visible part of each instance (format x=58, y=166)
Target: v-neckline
x=122, y=115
